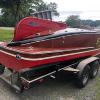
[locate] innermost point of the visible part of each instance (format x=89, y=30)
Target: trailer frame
x=19, y=82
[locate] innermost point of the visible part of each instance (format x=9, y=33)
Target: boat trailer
x=25, y=79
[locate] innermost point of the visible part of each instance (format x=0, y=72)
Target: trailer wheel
x=2, y=68
x=83, y=78
x=94, y=68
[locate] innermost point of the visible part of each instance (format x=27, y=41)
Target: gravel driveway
x=51, y=89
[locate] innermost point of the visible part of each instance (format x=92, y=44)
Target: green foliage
x=6, y=3
x=7, y=19
x=75, y=22
x=15, y=10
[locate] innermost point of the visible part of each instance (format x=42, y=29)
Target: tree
x=14, y=10
x=76, y=22
x=44, y=6
x=73, y=21
x=91, y=23
x=53, y=7
x=11, y=5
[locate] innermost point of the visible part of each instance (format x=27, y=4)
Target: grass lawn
x=97, y=97
x=6, y=34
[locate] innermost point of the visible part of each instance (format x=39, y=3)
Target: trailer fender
x=85, y=62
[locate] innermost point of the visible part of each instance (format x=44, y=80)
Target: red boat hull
x=35, y=54
x=10, y=61
x=38, y=42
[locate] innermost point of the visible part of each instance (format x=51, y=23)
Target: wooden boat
x=40, y=42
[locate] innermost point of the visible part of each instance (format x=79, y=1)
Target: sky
x=87, y=9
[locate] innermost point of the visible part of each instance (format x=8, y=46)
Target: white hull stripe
x=54, y=51
x=35, y=59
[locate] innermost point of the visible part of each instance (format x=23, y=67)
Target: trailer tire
x=83, y=78
x=94, y=68
x=2, y=68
